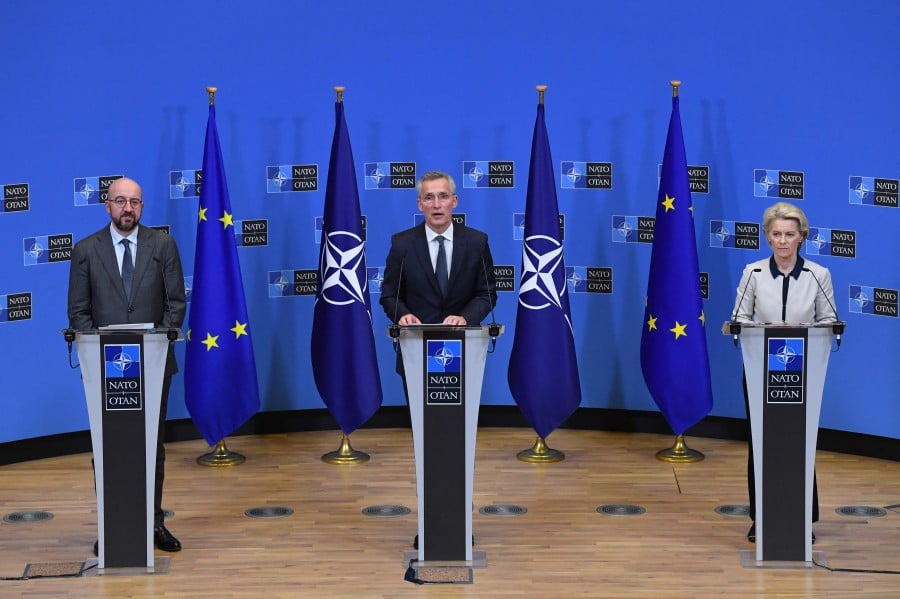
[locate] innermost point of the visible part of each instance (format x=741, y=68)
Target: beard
x=128, y=226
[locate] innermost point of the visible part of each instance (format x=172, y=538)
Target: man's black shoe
x=164, y=540
x=96, y=548
x=751, y=534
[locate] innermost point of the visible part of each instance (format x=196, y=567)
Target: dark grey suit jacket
x=97, y=295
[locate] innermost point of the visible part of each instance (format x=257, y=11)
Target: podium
x=122, y=370
x=444, y=367
x=785, y=369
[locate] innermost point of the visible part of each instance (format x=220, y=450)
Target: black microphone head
x=69, y=335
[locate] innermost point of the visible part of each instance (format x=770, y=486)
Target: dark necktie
x=440, y=268
x=127, y=268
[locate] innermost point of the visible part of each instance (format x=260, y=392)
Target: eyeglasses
x=430, y=198
x=120, y=202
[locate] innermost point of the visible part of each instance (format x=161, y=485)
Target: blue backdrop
x=99, y=88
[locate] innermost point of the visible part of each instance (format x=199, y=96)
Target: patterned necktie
x=440, y=268
x=127, y=268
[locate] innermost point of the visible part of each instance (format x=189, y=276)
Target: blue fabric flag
x=220, y=386
x=543, y=369
x=343, y=345
x=674, y=359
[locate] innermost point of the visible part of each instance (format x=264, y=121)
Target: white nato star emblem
x=378, y=279
x=280, y=179
x=443, y=356
x=862, y=191
x=86, y=191
x=574, y=278
x=624, y=229
x=818, y=241
x=543, y=282
x=376, y=175
x=122, y=361
x=574, y=174
x=723, y=234
x=343, y=268
x=766, y=183
x=36, y=250
x=281, y=283
x=785, y=355
x=475, y=174
x=182, y=184
x=861, y=299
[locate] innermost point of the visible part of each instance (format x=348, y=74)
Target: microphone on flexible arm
x=172, y=333
x=735, y=327
x=838, y=327
x=394, y=329
x=493, y=327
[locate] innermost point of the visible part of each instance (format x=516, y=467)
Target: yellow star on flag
x=226, y=220
x=669, y=203
x=239, y=329
x=189, y=335
x=679, y=330
x=210, y=341
x=651, y=323
x=702, y=318
x=203, y=214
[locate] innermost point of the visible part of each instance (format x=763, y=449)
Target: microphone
x=838, y=327
x=493, y=327
x=172, y=333
x=394, y=329
x=69, y=336
x=735, y=327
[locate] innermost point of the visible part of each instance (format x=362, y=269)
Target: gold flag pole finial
x=675, y=83
x=212, y=94
x=540, y=89
x=340, y=92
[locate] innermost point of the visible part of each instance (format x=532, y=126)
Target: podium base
x=160, y=566
x=748, y=560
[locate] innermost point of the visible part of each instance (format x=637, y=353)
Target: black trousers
x=751, y=475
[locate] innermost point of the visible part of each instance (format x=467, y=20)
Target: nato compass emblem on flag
x=343, y=269
x=543, y=278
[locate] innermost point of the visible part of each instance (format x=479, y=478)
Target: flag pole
x=220, y=456
x=345, y=454
x=679, y=453
x=539, y=453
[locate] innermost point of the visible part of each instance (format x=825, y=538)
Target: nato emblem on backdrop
x=90, y=191
x=874, y=191
x=375, y=275
x=504, y=277
x=768, y=183
x=251, y=233
x=785, y=373
x=698, y=177
x=589, y=279
x=188, y=288
x=873, y=300
x=185, y=184
x=831, y=242
x=292, y=177
x=122, y=371
x=479, y=174
x=585, y=175
x=286, y=283
x=390, y=175
x=15, y=306
x=47, y=248
x=733, y=234
x=15, y=197
x=632, y=229
x=704, y=285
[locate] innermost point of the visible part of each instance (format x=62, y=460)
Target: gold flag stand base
x=679, y=453
x=346, y=454
x=540, y=454
x=220, y=456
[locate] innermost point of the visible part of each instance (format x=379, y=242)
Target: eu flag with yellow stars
x=220, y=385
x=674, y=359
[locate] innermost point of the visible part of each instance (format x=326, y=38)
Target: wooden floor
x=560, y=548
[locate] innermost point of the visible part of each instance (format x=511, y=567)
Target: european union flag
x=220, y=385
x=343, y=345
x=674, y=359
x=543, y=369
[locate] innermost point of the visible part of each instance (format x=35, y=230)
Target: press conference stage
x=561, y=547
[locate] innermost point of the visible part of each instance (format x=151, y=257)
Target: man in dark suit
x=417, y=288
x=128, y=273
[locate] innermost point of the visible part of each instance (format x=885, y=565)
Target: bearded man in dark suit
x=147, y=259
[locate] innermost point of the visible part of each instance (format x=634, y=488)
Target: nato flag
x=543, y=370
x=343, y=345
x=674, y=359
x=220, y=385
